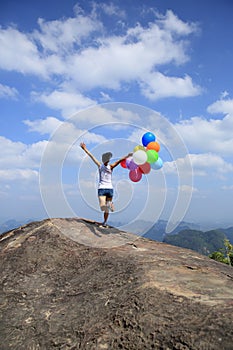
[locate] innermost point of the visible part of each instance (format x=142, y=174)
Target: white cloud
x=81, y=53
x=33, y=152
x=221, y=106
x=85, y=184
x=18, y=174
x=63, y=145
x=188, y=189
x=22, y=162
x=63, y=132
x=60, y=36
x=68, y=102
x=100, y=115
x=202, y=165
x=132, y=56
x=126, y=116
x=19, y=53
x=111, y=9
x=8, y=92
x=11, y=149
x=20, y=155
x=227, y=188
x=172, y=23
x=105, y=97
x=203, y=135
x=224, y=94
x=159, y=86
x=210, y=162
x=43, y=126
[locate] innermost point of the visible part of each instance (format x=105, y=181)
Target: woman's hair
x=106, y=157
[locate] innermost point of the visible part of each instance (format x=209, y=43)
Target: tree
x=226, y=256
x=229, y=251
x=218, y=256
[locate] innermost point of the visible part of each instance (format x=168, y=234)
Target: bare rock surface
x=71, y=284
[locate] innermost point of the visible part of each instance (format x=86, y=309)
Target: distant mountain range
x=158, y=231
x=186, y=235
x=12, y=223
x=202, y=242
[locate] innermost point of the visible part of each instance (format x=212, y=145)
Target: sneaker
x=104, y=225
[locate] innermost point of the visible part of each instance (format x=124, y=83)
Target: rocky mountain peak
x=71, y=284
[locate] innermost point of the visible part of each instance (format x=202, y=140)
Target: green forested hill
x=228, y=232
x=202, y=242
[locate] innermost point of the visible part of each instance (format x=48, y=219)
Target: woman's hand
x=83, y=146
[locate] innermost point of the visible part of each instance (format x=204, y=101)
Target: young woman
x=105, y=187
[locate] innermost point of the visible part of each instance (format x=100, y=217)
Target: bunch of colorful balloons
x=145, y=157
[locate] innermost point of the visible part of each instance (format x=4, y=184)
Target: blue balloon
x=147, y=138
x=157, y=165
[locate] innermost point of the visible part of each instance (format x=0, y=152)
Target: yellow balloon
x=136, y=148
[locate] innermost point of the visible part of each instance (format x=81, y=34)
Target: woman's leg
x=109, y=203
x=106, y=214
x=105, y=202
x=104, y=207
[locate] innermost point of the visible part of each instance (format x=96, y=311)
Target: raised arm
x=113, y=165
x=83, y=146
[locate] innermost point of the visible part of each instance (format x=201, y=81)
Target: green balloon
x=152, y=156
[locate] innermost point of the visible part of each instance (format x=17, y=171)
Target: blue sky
x=104, y=73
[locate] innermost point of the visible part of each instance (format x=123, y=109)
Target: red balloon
x=123, y=163
x=135, y=175
x=145, y=168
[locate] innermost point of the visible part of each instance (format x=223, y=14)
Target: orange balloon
x=153, y=145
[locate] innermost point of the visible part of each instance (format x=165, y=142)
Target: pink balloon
x=145, y=168
x=135, y=175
